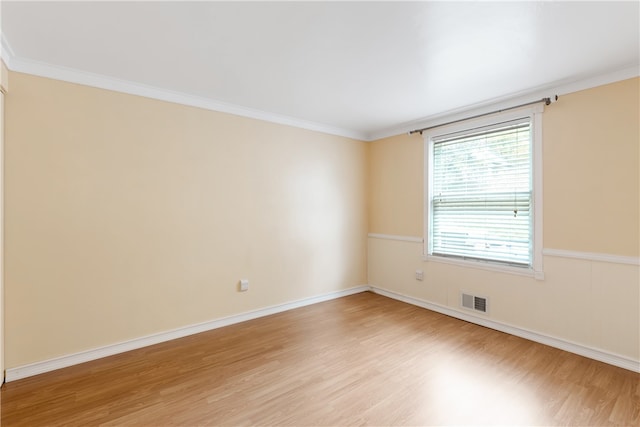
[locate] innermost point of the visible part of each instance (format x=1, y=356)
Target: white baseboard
x=13, y=374
x=592, y=353
x=42, y=69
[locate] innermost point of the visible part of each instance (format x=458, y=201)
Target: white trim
x=569, y=86
x=537, y=153
x=36, y=368
x=6, y=52
x=427, y=167
x=562, y=87
x=104, y=82
x=592, y=353
x=20, y=372
x=485, y=265
x=591, y=256
x=412, y=239
x=70, y=75
x=534, y=113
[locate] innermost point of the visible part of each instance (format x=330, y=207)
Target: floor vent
x=475, y=303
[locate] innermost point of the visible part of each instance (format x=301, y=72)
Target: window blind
x=482, y=194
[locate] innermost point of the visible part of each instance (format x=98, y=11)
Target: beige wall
x=396, y=185
x=4, y=76
x=4, y=86
x=127, y=216
x=591, y=173
x=591, y=188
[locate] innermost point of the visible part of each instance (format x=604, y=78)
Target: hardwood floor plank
x=359, y=360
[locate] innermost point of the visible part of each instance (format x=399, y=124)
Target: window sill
x=486, y=265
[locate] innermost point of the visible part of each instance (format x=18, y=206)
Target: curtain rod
x=546, y=101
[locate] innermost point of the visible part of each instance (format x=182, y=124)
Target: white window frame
x=534, y=113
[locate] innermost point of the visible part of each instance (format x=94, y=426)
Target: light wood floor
x=360, y=360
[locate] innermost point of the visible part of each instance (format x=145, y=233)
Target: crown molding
x=71, y=75
x=6, y=53
x=559, y=88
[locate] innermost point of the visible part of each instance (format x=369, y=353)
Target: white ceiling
x=362, y=69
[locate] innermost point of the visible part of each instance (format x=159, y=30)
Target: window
x=480, y=193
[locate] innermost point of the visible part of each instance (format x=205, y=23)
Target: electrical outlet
x=244, y=285
x=419, y=275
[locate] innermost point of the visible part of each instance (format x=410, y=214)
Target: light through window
x=481, y=194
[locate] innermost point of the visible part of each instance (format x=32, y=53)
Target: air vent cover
x=480, y=304
x=467, y=301
x=474, y=303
